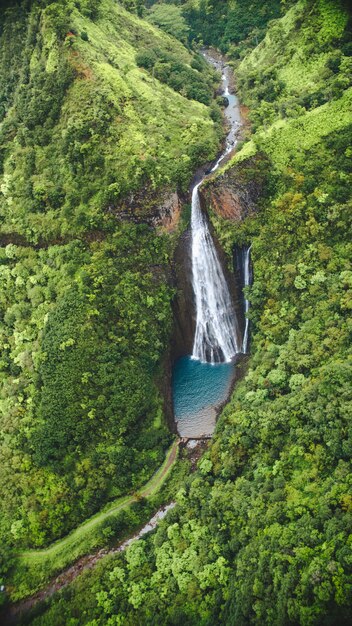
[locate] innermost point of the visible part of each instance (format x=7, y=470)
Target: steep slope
x=87, y=126
x=91, y=148
x=262, y=533
x=303, y=62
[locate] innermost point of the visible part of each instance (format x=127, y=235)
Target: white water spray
x=217, y=336
x=217, y=333
x=247, y=282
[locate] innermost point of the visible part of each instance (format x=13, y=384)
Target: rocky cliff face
x=160, y=209
x=235, y=193
x=183, y=304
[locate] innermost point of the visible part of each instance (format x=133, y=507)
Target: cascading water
x=202, y=382
x=217, y=333
x=217, y=336
x=247, y=282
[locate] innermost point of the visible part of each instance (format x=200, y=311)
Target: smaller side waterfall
x=243, y=267
x=247, y=282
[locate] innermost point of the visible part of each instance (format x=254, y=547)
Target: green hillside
x=262, y=531
x=91, y=144
x=303, y=62
x=86, y=127
x=231, y=25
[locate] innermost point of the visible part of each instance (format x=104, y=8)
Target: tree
x=169, y=18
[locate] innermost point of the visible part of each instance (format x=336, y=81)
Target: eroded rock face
x=160, y=210
x=227, y=203
x=181, y=340
x=168, y=212
x=183, y=304
x=235, y=194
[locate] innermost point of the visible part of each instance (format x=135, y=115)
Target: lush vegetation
x=117, y=520
x=83, y=329
x=169, y=17
x=77, y=134
x=85, y=312
x=298, y=68
x=231, y=26
x=262, y=533
x=189, y=81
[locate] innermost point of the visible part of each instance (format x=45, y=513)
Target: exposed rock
x=168, y=212
x=183, y=304
x=161, y=209
x=224, y=101
x=235, y=194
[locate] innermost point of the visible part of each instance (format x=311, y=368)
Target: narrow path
x=149, y=489
x=11, y=613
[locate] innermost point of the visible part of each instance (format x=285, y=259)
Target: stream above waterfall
x=202, y=381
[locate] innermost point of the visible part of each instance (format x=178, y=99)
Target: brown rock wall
x=236, y=193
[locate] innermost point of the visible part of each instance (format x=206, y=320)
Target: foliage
x=117, y=520
x=85, y=312
x=76, y=138
x=169, y=17
x=262, y=533
x=230, y=26
x=135, y=6
x=302, y=63
x=83, y=329
x=195, y=83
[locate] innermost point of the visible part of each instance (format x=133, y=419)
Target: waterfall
x=247, y=282
x=217, y=336
x=217, y=333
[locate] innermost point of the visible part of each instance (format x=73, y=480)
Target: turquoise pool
x=198, y=390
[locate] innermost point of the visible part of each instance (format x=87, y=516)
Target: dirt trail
x=12, y=613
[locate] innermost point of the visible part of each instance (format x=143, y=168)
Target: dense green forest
x=233, y=26
x=261, y=533
x=85, y=302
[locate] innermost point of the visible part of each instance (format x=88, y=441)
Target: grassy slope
x=284, y=138
x=297, y=45
x=116, y=127
x=308, y=106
